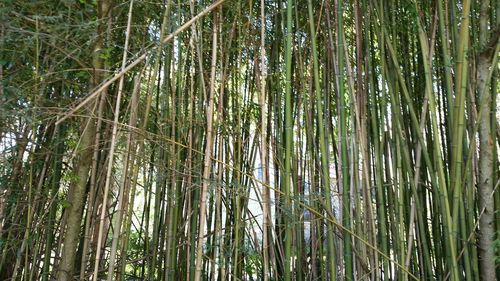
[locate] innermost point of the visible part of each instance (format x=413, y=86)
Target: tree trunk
x=486, y=147
x=77, y=193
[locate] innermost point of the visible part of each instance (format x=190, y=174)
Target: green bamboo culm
x=323, y=145
x=287, y=184
x=249, y=140
x=344, y=162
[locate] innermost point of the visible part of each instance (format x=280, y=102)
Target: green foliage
x=355, y=110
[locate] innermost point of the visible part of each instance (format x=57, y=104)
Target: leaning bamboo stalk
x=172, y=195
x=263, y=143
x=108, y=173
x=207, y=155
x=118, y=222
x=427, y=62
x=324, y=155
x=140, y=58
x=346, y=199
x=458, y=131
x=134, y=173
x=287, y=204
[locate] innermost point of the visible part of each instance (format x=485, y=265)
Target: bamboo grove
x=249, y=140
